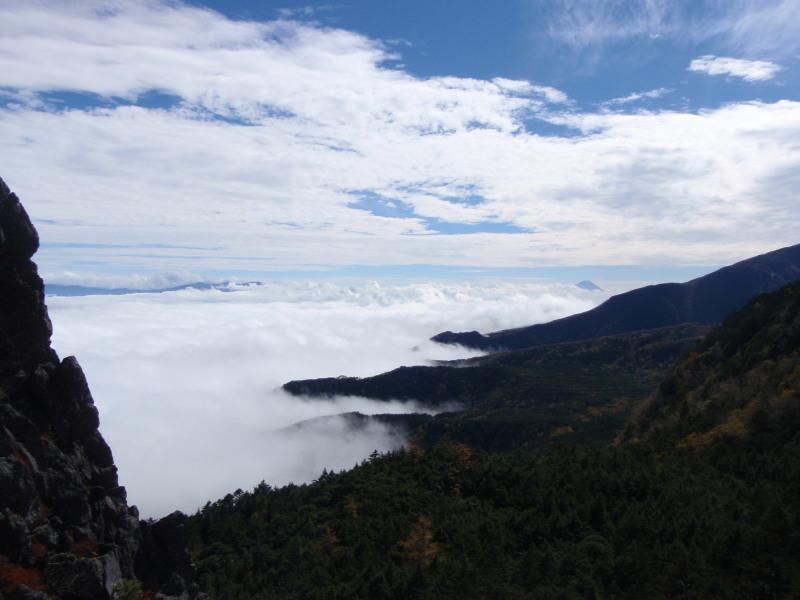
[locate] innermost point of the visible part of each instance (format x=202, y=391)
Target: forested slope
x=505, y=401
x=670, y=511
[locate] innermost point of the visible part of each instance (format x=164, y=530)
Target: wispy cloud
x=637, y=96
x=755, y=29
x=582, y=23
x=749, y=70
x=251, y=70
x=527, y=89
x=760, y=28
x=303, y=12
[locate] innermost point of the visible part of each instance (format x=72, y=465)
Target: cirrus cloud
x=752, y=28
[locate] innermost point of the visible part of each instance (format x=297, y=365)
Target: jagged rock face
x=66, y=530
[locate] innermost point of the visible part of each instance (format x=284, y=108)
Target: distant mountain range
x=57, y=289
x=707, y=299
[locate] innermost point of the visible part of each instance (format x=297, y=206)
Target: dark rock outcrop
x=66, y=530
x=708, y=300
x=163, y=561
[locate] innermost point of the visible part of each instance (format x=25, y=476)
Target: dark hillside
x=708, y=299
x=744, y=375
x=561, y=392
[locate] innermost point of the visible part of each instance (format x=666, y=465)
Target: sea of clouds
x=188, y=383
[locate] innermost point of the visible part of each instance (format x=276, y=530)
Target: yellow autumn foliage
x=419, y=545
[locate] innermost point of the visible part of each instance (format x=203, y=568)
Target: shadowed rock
x=66, y=530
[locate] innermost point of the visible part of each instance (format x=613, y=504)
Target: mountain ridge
x=61, y=289
x=707, y=300
x=505, y=400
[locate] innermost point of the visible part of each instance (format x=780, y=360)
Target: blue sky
x=519, y=39
x=225, y=139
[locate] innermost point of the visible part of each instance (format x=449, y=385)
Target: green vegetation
x=698, y=498
x=746, y=371
x=562, y=393
x=721, y=522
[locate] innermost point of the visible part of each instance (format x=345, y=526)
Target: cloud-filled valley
x=187, y=383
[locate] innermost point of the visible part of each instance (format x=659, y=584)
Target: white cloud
x=303, y=12
x=313, y=114
x=636, y=96
x=749, y=70
x=189, y=380
x=646, y=188
x=525, y=88
x=329, y=77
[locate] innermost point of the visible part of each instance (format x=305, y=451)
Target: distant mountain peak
x=589, y=285
x=707, y=300
x=58, y=289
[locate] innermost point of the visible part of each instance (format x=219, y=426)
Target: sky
x=636, y=139
x=188, y=383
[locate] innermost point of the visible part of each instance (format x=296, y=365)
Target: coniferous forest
x=698, y=496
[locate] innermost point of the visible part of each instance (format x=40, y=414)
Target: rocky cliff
x=66, y=530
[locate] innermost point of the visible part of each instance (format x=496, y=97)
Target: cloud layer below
x=187, y=382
